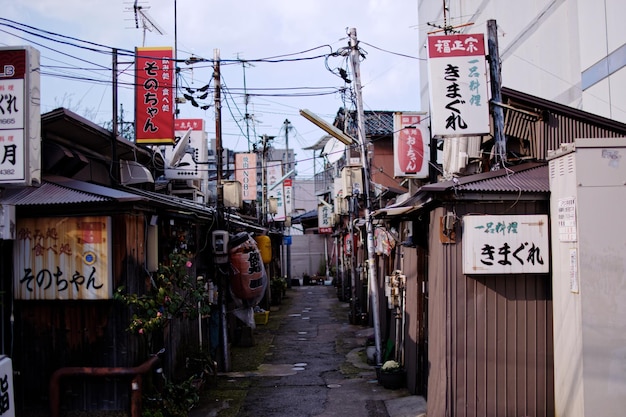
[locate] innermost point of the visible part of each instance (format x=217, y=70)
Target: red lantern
x=248, y=278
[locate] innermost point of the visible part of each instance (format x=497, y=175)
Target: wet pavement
x=314, y=365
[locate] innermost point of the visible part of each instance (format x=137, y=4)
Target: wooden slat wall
x=490, y=337
x=49, y=335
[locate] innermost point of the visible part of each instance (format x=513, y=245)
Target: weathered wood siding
x=490, y=336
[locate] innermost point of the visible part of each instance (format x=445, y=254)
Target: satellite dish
x=180, y=149
x=334, y=150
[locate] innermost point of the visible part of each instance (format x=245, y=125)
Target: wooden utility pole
x=115, y=166
x=218, y=130
x=288, y=215
x=496, y=92
x=221, y=279
x=371, y=258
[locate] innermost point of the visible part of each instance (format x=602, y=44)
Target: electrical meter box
x=352, y=179
x=219, y=241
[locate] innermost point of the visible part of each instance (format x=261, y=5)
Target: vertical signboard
x=324, y=219
x=506, y=244
x=411, y=146
x=20, y=116
x=275, y=174
x=288, y=189
x=458, y=85
x=62, y=258
x=154, y=95
x=245, y=173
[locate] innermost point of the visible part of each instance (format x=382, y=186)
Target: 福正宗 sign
x=154, y=95
x=506, y=244
x=62, y=258
x=458, y=85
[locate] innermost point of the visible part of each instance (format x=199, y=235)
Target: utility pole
x=221, y=278
x=115, y=166
x=218, y=130
x=496, y=92
x=287, y=169
x=371, y=259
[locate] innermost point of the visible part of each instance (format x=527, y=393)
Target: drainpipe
x=136, y=383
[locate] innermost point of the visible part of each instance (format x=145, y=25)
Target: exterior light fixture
x=330, y=129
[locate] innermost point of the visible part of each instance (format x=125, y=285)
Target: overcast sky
x=299, y=34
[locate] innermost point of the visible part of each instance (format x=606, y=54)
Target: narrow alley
x=306, y=361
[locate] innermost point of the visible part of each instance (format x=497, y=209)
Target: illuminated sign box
x=63, y=258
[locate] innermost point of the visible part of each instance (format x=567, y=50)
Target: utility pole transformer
x=371, y=259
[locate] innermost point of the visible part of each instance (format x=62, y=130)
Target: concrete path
x=315, y=366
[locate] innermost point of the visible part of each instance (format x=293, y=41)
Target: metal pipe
x=136, y=384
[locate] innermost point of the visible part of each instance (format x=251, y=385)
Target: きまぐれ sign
x=458, y=85
x=506, y=244
x=154, y=96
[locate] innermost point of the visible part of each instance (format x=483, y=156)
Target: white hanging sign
x=458, y=85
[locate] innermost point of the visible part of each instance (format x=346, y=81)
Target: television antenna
x=143, y=18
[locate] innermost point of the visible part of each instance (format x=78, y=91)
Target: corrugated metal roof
x=526, y=178
x=49, y=194
x=377, y=123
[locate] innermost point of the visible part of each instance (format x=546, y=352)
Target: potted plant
x=278, y=286
x=392, y=375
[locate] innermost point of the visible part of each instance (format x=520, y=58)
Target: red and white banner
x=288, y=188
x=411, y=146
x=154, y=96
x=459, y=102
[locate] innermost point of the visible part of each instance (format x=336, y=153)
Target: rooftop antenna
x=147, y=22
x=446, y=28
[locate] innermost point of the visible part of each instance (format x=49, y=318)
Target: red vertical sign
x=154, y=95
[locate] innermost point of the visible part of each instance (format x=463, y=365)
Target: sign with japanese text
x=324, y=219
x=566, y=218
x=458, y=85
x=506, y=244
x=20, y=116
x=63, y=258
x=245, y=173
x=154, y=95
x=411, y=146
x=288, y=188
x=275, y=174
x=192, y=165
